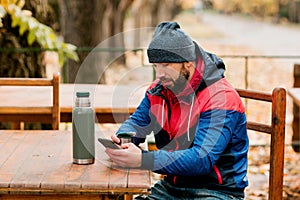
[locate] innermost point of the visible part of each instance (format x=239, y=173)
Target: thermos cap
x=82, y=99
x=82, y=94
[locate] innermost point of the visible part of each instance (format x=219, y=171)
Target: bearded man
x=198, y=121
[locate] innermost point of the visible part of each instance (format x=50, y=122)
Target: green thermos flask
x=83, y=129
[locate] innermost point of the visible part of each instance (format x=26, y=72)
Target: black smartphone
x=108, y=143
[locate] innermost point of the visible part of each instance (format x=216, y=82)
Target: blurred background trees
x=86, y=23
x=278, y=10
x=100, y=20
x=81, y=22
x=22, y=37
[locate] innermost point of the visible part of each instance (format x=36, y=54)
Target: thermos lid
x=82, y=94
x=82, y=99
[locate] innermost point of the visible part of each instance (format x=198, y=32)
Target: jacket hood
x=214, y=68
x=209, y=69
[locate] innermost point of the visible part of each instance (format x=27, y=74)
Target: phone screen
x=108, y=143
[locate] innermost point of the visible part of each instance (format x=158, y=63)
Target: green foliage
x=37, y=31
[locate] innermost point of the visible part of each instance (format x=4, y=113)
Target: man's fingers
x=115, y=139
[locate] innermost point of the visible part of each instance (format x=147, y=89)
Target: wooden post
x=296, y=113
x=277, y=143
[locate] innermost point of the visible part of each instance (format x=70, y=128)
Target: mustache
x=162, y=79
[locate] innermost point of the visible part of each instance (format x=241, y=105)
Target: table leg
x=128, y=197
x=17, y=126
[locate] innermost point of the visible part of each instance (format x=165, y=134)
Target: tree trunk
x=86, y=24
x=114, y=19
x=149, y=13
x=81, y=25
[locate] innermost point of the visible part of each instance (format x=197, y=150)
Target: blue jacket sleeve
x=213, y=133
x=138, y=122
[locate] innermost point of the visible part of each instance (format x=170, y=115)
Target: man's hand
x=129, y=156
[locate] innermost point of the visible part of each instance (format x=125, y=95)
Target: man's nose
x=159, y=72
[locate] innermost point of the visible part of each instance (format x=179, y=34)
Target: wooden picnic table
x=112, y=103
x=38, y=164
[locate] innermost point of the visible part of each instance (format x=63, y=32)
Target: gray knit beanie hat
x=170, y=44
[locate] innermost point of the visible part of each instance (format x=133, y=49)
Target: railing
x=246, y=58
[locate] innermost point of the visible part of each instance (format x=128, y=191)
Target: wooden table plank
x=6, y=149
x=58, y=197
x=15, y=162
x=117, y=176
x=56, y=176
x=139, y=179
x=73, y=176
x=96, y=177
x=55, y=179
x=3, y=138
x=39, y=162
x=29, y=172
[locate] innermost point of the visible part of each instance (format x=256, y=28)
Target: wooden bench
x=277, y=131
x=45, y=114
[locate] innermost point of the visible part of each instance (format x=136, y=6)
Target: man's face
x=172, y=75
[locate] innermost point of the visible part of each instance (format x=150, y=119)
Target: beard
x=180, y=83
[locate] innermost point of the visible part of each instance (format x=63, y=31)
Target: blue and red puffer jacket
x=201, y=132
